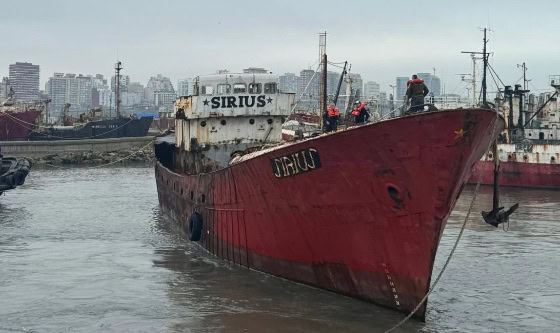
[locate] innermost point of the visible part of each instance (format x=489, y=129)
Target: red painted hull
x=520, y=174
x=15, y=126
x=367, y=223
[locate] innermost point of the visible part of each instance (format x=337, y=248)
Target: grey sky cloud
x=381, y=39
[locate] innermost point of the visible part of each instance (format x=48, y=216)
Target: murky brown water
x=87, y=251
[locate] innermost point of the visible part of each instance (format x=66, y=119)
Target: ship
x=17, y=119
x=529, y=151
x=13, y=172
x=92, y=126
x=359, y=211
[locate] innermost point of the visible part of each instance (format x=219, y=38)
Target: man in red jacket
x=415, y=93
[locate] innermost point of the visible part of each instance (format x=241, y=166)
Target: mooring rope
x=454, y=246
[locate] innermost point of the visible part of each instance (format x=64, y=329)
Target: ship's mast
x=118, y=90
x=323, y=84
x=485, y=61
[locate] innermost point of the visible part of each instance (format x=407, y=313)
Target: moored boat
x=359, y=212
x=13, y=172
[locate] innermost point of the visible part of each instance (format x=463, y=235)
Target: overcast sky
x=181, y=38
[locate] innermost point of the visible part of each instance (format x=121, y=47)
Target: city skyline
x=390, y=45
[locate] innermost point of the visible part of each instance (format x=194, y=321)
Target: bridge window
x=255, y=88
x=239, y=88
x=270, y=88
x=223, y=89
x=207, y=90
x=541, y=136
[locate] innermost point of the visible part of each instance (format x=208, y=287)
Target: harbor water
x=87, y=250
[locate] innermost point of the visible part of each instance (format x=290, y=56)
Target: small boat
x=13, y=172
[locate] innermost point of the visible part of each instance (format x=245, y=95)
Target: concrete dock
x=36, y=149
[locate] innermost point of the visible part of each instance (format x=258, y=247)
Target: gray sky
x=381, y=39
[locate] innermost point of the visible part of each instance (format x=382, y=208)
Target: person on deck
x=360, y=113
x=415, y=94
x=330, y=118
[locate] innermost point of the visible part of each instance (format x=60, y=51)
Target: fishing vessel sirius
x=359, y=212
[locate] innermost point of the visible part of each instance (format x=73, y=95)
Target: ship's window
x=541, y=136
x=255, y=88
x=551, y=135
x=490, y=155
x=207, y=90
x=552, y=159
x=525, y=158
x=239, y=88
x=270, y=88
x=223, y=89
x=251, y=121
x=223, y=122
x=552, y=114
x=530, y=134
x=203, y=123
x=269, y=121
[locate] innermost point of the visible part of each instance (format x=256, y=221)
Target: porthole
x=251, y=121
x=269, y=121
x=203, y=123
x=223, y=122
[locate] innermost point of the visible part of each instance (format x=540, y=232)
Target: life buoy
x=195, y=227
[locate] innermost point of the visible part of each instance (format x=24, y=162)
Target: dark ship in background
x=93, y=126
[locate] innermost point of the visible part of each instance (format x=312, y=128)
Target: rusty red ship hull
x=15, y=126
x=518, y=174
x=358, y=212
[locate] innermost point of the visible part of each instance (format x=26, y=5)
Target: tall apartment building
x=125, y=80
x=78, y=90
x=24, y=79
x=288, y=83
x=5, y=88
x=185, y=87
x=432, y=82
x=401, y=87
x=158, y=83
x=371, y=90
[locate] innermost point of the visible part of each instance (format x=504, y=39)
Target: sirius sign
x=228, y=102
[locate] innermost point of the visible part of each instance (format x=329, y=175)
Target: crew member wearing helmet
x=330, y=118
x=415, y=93
x=360, y=112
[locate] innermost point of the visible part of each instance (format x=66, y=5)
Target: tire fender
x=195, y=227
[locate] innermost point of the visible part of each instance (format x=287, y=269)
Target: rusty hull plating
x=358, y=212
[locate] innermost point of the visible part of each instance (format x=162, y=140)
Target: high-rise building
x=371, y=90
x=308, y=79
x=158, y=83
x=185, y=87
x=24, y=79
x=401, y=88
x=5, y=88
x=125, y=80
x=432, y=82
x=82, y=92
x=332, y=82
x=288, y=83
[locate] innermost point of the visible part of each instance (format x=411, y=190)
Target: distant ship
x=18, y=119
x=359, y=212
x=93, y=126
x=529, y=152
